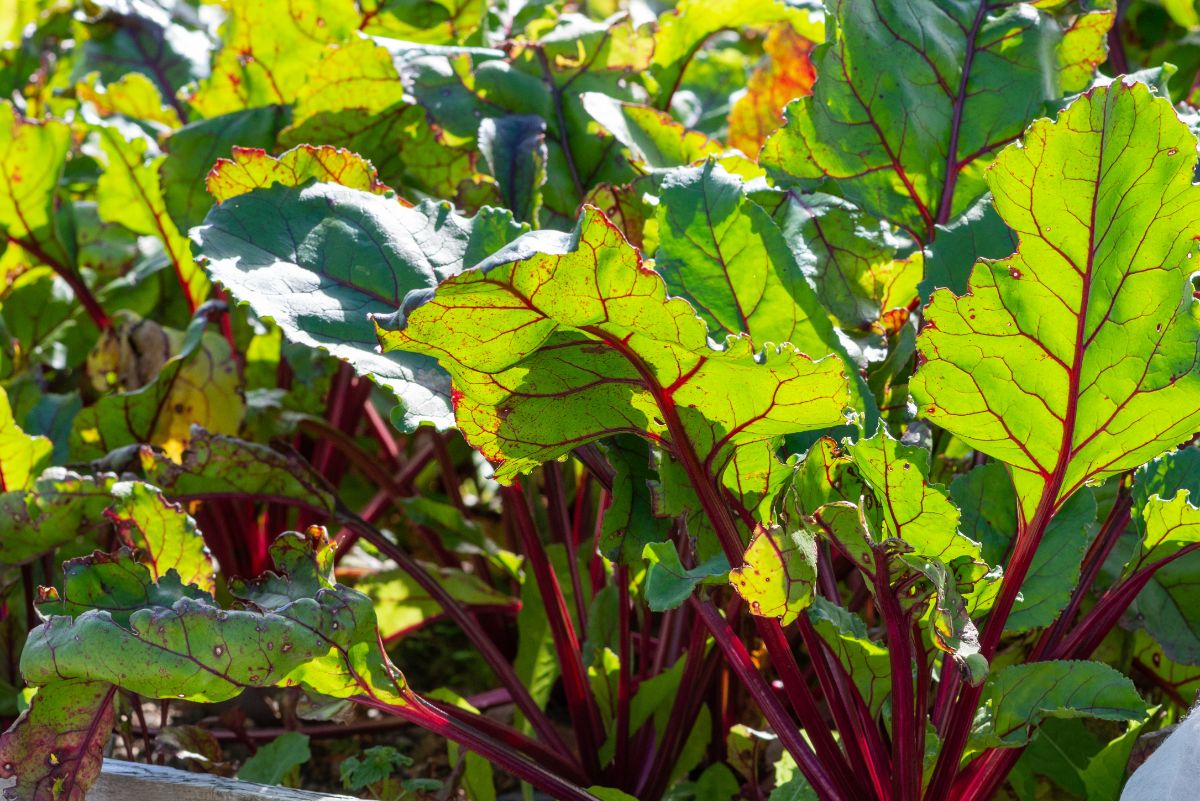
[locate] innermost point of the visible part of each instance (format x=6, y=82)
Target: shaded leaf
x=272, y=762
x=515, y=151
x=198, y=385
x=668, y=582
x=318, y=259
x=1018, y=697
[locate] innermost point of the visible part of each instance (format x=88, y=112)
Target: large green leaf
x=318, y=259
x=1018, y=697
x=911, y=101
x=1075, y=358
x=266, y=54
x=562, y=340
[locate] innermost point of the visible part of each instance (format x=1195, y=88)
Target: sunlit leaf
x=1074, y=359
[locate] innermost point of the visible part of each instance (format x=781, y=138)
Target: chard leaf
x=1018, y=697
x=853, y=262
x=27, y=213
x=515, y=150
x=55, y=748
x=353, y=96
x=978, y=233
x=724, y=254
x=562, y=340
x=654, y=138
x=58, y=507
x=215, y=465
x=22, y=457
x=296, y=627
x=631, y=522
x=131, y=194
x=1074, y=359
x=867, y=662
x=318, y=259
x=912, y=101
x=786, y=74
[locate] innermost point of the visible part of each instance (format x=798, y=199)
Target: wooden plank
x=131, y=781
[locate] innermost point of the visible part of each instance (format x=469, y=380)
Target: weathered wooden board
x=130, y=781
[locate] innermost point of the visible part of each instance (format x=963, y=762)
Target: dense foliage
x=728, y=400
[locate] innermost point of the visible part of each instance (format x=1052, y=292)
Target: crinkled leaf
x=950, y=626
x=58, y=507
x=911, y=102
x=561, y=340
x=353, y=97
x=779, y=573
x=318, y=259
x=251, y=168
x=55, y=748
x=164, y=534
x=909, y=508
x=217, y=465
x=299, y=627
x=1075, y=359
x=1018, y=697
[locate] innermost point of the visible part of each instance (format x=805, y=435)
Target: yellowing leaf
x=787, y=74
x=778, y=576
x=253, y=168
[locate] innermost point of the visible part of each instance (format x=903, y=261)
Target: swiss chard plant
x=728, y=400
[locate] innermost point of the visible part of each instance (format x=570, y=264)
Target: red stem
x=906, y=762
x=431, y=718
x=580, y=702
x=738, y=658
